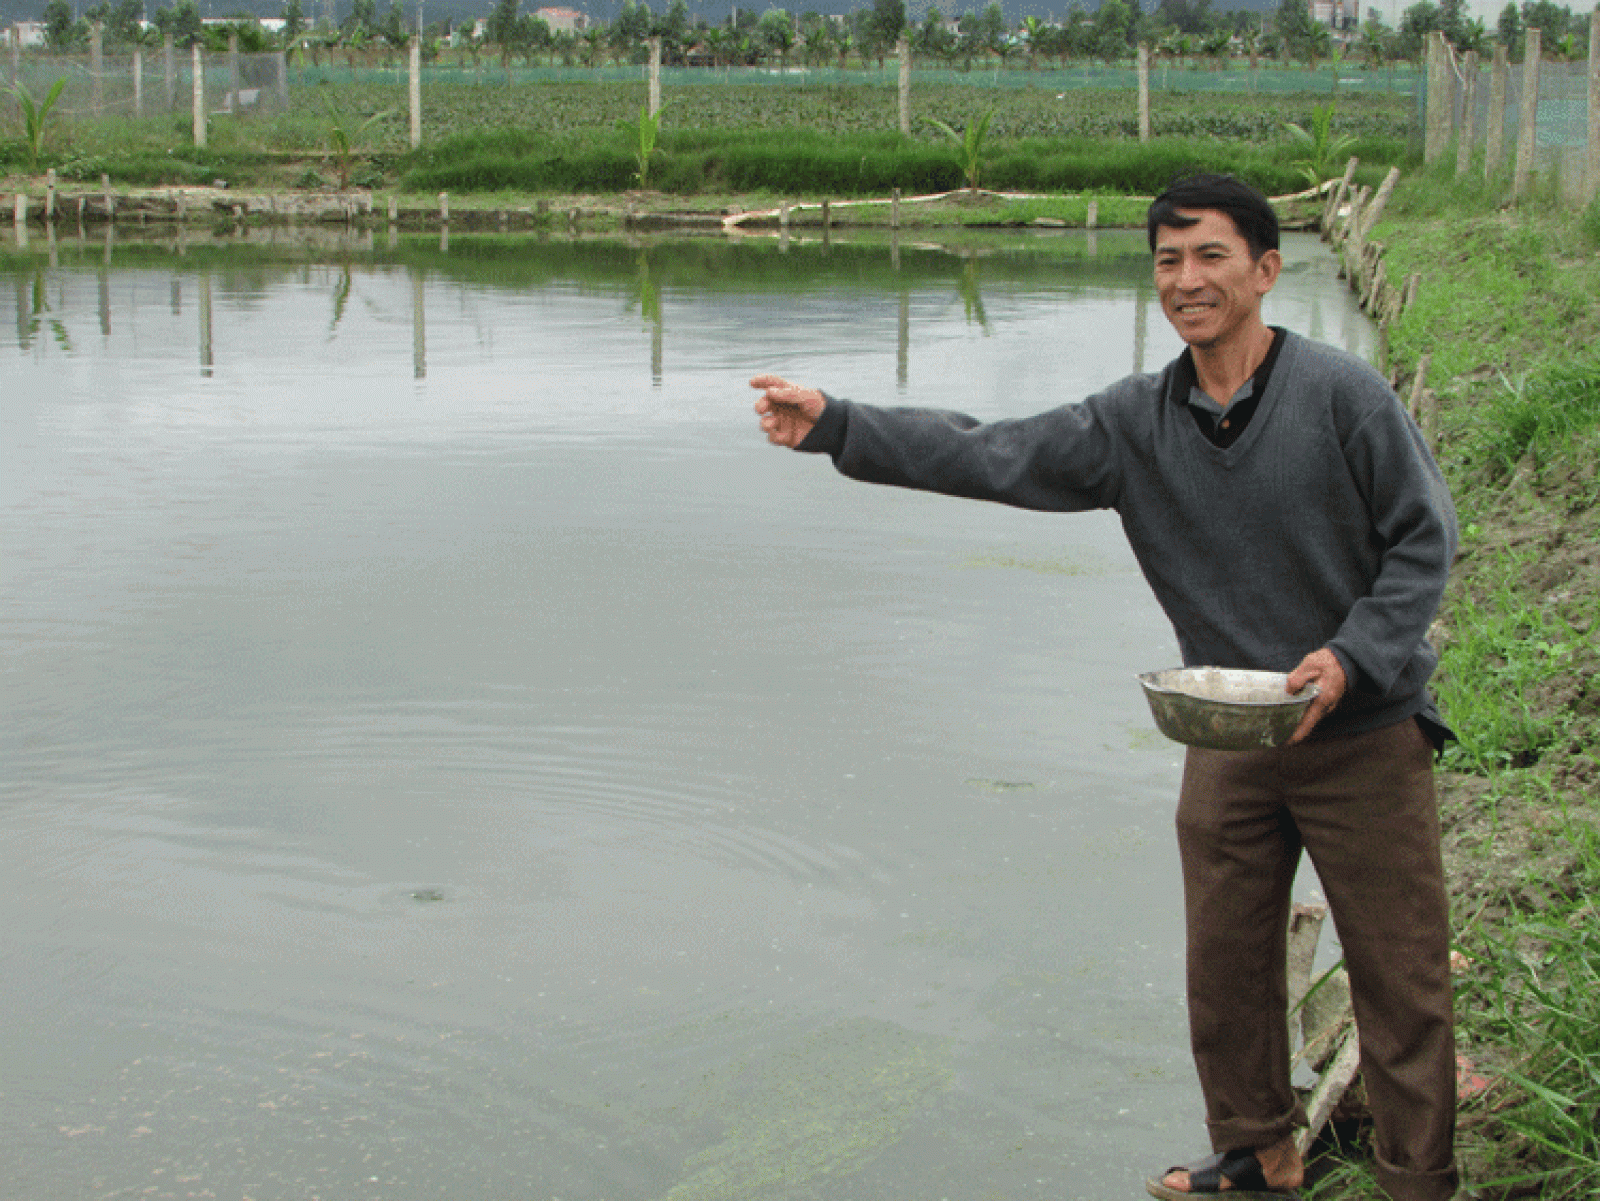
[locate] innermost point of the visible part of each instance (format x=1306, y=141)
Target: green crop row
x=713, y=136
x=808, y=163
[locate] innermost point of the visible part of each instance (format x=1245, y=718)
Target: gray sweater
x=1326, y=524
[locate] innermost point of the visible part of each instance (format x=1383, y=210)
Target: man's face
x=1210, y=287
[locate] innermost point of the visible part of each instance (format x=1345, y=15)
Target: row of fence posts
x=1348, y=218
x=902, y=50
x=1446, y=120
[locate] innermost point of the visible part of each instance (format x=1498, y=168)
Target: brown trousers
x=1363, y=807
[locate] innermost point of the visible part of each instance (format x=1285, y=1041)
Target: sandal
x=1230, y=1173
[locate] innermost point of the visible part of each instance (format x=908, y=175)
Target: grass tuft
x=1535, y=988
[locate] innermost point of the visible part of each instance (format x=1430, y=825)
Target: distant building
x=1336, y=14
x=563, y=20
x=25, y=34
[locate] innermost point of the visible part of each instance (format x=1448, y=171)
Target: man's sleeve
x=1063, y=460
x=1414, y=520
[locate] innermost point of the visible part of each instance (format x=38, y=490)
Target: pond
x=449, y=753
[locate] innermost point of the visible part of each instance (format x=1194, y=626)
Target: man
x=1288, y=516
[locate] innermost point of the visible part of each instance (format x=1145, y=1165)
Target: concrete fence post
x=1144, y=91
x=1467, y=138
x=138, y=82
x=1592, y=182
x=1441, y=98
x=1528, y=113
x=199, y=97
x=902, y=48
x=171, y=64
x=416, y=93
x=235, y=81
x=1494, y=145
x=655, y=76
x=97, y=67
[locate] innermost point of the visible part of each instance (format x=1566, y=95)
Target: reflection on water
x=448, y=752
x=642, y=269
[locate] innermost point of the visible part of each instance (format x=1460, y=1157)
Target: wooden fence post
x=199, y=98
x=1144, y=91
x=1494, y=146
x=903, y=50
x=1528, y=112
x=1374, y=211
x=1330, y=214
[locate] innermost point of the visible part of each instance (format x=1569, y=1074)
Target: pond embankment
x=1491, y=329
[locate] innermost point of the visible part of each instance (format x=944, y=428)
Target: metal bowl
x=1225, y=708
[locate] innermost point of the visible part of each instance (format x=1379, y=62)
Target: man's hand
x=1322, y=669
x=787, y=410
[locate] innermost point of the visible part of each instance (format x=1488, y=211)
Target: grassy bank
x=1509, y=317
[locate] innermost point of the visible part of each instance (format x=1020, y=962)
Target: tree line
x=1176, y=30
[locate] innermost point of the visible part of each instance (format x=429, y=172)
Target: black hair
x=1250, y=211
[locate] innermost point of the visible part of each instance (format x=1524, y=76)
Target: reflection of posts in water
x=19, y=220
x=55, y=249
x=903, y=350
x=419, y=328
x=105, y=286
x=205, y=323
x=894, y=248
x=656, y=339
x=1141, y=324
x=177, y=298
x=971, y=296
x=648, y=292
x=24, y=315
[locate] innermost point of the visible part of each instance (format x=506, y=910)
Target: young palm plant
x=644, y=132
x=1323, y=150
x=969, y=146
x=34, y=115
x=343, y=139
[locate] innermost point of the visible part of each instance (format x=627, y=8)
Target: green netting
x=1195, y=77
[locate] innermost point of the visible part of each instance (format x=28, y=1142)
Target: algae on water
x=829, y=1104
